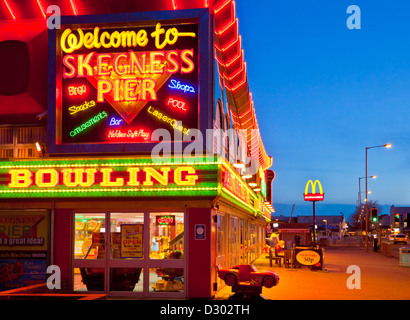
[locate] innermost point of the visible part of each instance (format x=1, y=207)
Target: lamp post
x=359, y=207
x=326, y=226
x=360, y=192
x=387, y=145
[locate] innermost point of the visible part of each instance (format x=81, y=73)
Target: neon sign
x=165, y=220
x=77, y=90
x=127, y=67
x=115, y=122
x=233, y=184
x=136, y=176
x=82, y=107
x=171, y=121
x=313, y=196
x=176, y=104
x=106, y=177
x=183, y=87
x=128, y=63
x=88, y=124
x=126, y=39
x=140, y=134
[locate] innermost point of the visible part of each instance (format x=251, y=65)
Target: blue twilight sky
x=323, y=92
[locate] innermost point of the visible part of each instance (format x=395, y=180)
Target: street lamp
x=360, y=202
x=326, y=226
x=387, y=145
x=360, y=192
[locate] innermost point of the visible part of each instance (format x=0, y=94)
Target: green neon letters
x=89, y=123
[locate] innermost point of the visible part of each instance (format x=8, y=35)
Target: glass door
x=130, y=253
x=126, y=257
x=166, y=263
x=89, y=252
x=234, y=241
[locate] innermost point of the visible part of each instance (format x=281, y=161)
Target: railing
x=349, y=242
x=19, y=142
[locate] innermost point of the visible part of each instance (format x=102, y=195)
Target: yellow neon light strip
x=112, y=190
x=107, y=165
x=240, y=179
x=244, y=184
x=234, y=196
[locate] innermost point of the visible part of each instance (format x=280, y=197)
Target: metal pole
x=314, y=223
x=367, y=229
x=360, y=210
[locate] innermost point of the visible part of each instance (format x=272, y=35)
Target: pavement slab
x=381, y=278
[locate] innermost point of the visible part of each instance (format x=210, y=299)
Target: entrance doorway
x=137, y=254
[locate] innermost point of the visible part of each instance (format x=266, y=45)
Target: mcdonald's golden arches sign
x=313, y=196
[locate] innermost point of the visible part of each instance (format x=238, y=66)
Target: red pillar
x=199, y=253
x=62, y=243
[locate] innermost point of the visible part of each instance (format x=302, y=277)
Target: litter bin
x=404, y=257
x=389, y=250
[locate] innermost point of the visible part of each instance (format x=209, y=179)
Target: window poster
x=23, y=248
x=131, y=240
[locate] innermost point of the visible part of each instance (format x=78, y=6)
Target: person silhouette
x=297, y=240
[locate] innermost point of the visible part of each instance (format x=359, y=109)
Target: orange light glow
x=234, y=59
x=216, y=10
x=242, y=68
x=73, y=6
x=41, y=8
x=228, y=25
x=11, y=11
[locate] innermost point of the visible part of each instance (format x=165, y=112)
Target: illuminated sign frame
x=313, y=196
x=168, y=220
x=199, y=17
x=234, y=188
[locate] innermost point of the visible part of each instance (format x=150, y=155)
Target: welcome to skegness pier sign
x=119, y=71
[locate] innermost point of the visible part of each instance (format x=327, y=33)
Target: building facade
x=130, y=153
x=399, y=219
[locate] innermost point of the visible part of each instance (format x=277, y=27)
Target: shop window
x=126, y=279
x=89, y=240
x=127, y=235
x=220, y=235
x=166, y=235
x=166, y=279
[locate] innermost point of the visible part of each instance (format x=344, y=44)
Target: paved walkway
x=381, y=278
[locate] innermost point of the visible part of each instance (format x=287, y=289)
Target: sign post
x=313, y=197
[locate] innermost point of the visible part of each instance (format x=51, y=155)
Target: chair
x=288, y=259
x=276, y=258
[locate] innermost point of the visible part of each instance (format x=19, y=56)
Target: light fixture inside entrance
x=238, y=164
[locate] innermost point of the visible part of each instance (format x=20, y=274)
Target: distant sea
x=322, y=209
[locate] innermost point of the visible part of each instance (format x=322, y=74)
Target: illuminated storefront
x=127, y=204
x=118, y=242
